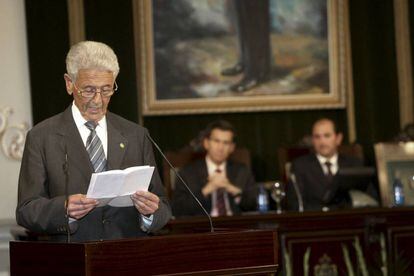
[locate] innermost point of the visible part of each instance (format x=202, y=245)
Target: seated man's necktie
x=94, y=148
x=220, y=204
x=329, y=175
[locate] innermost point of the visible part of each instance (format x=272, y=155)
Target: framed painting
x=403, y=36
x=210, y=56
x=395, y=160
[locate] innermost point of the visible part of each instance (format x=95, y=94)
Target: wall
x=374, y=74
x=14, y=79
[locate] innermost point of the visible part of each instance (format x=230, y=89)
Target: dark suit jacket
x=41, y=194
x=313, y=185
x=196, y=175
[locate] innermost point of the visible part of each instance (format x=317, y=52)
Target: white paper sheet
x=116, y=186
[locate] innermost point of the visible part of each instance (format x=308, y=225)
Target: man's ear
x=69, y=84
x=232, y=147
x=205, y=143
x=339, y=137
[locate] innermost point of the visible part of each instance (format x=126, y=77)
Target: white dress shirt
x=101, y=129
x=334, y=163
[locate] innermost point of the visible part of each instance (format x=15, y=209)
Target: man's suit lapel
x=341, y=162
x=203, y=173
x=231, y=175
x=203, y=179
x=323, y=188
x=117, y=144
x=317, y=168
x=75, y=149
x=231, y=172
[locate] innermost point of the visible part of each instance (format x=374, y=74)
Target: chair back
x=395, y=162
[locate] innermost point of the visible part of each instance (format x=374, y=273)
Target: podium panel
x=370, y=241
x=401, y=257
x=222, y=253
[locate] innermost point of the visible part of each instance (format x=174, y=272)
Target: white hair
x=91, y=55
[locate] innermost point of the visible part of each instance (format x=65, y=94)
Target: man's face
x=324, y=139
x=92, y=109
x=219, y=146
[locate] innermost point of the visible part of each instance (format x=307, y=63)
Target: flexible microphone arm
x=66, y=172
x=297, y=191
x=182, y=181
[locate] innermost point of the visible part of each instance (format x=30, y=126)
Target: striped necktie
x=94, y=148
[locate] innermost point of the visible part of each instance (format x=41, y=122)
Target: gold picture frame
x=266, y=96
x=404, y=66
x=395, y=160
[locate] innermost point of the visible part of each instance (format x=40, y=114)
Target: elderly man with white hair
x=63, y=151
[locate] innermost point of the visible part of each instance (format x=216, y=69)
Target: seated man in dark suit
x=316, y=174
x=86, y=138
x=222, y=186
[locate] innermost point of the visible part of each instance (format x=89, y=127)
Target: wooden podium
x=219, y=253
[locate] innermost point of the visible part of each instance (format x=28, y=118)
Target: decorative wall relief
x=12, y=137
x=325, y=267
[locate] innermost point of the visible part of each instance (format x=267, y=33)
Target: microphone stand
x=297, y=191
x=66, y=172
x=182, y=181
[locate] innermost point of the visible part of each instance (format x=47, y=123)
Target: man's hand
x=217, y=181
x=145, y=202
x=78, y=205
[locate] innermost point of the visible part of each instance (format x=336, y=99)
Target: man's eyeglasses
x=90, y=91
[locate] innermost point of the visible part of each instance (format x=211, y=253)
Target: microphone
x=297, y=191
x=182, y=180
x=66, y=172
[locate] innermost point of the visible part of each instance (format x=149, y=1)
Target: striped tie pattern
x=94, y=148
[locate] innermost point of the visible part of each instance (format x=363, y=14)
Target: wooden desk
x=252, y=252
x=370, y=240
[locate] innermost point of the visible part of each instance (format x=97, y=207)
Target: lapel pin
x=122, y=145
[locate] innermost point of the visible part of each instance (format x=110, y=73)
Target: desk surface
x=308, y=219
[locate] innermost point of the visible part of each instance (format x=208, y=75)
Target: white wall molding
x=12, y=136
x=15, y=100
